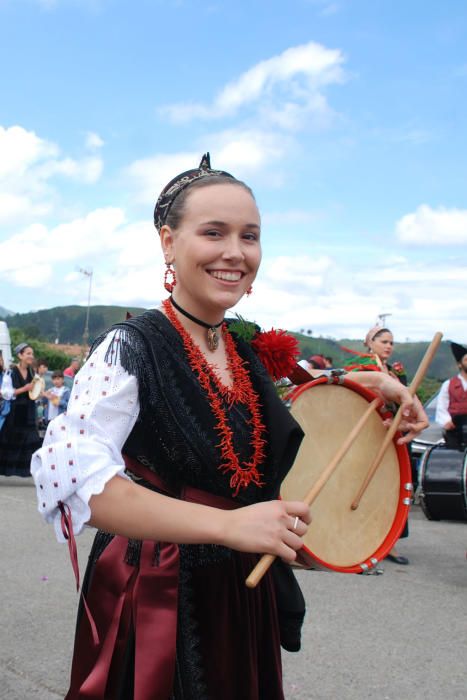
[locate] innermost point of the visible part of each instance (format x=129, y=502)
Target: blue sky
x=347, y=118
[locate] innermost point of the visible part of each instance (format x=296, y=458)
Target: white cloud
x=150, y=175
x=39, y=248
x=285, y=88
x=29, y=165
x=433, y=227
x=93, y=141
x=20, y=149
x=242, y=152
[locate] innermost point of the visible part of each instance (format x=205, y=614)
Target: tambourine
x=38, y=386
x=340, y=538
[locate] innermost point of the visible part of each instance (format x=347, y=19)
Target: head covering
x=458, y=351
x=179, y=183
x=372, y=333
x=318, y=360
x=22, y=346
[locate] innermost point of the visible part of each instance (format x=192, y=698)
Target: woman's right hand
x=267, y=528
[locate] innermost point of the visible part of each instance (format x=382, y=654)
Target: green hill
x=67, y=322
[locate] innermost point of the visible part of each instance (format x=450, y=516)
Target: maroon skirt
x=170, y=624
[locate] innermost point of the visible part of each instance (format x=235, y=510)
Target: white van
x=5, y=344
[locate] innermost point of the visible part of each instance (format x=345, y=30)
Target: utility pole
x=87, y=273
x=382, y=318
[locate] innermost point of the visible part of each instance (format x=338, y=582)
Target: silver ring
x=295, y=522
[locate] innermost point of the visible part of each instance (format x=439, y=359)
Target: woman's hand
x=267, y=528
x=24, y=389
x=414, y=418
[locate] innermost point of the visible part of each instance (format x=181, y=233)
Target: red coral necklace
x=217, y=393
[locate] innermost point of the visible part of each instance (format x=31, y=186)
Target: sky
x=346, y=117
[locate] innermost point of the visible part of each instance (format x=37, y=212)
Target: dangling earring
x=249, y=291
x=169, y=284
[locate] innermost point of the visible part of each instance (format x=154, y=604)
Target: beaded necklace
x=241, y=392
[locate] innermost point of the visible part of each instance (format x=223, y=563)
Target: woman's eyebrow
x=223, y=223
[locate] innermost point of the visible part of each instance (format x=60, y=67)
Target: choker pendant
x=213, y=338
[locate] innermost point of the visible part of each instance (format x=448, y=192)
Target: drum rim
x=404, y=493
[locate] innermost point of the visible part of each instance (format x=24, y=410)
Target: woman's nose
x=233, y=248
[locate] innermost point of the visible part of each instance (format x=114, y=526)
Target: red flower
x=278, y=351
x=398, y=367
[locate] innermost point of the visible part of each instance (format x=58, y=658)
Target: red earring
x=249, y=290
x=169, y=284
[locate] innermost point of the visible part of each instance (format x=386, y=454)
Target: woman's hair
x=19, y=349
x=177, y=209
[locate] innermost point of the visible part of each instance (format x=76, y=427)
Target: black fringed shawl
x=175, y=433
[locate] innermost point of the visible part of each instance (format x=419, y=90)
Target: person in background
x=380, y=343
x=73, y=368
x=328, y=362
x=451, y=406
x=4, y=403
x=19, y=437
x=42, y=368
x=57, y=397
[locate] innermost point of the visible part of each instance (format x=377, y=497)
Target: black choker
x=213, y=335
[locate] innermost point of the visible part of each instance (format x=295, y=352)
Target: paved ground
x=399, y=636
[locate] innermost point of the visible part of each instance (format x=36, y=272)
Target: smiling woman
x=174, y=445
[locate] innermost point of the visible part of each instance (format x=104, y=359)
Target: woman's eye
x=250, y=236
x=212, y=233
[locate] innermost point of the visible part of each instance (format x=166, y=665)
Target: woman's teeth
x=226, y=276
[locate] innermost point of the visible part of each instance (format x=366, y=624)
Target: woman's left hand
x=414, y=418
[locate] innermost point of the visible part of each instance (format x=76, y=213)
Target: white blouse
x=82, y=447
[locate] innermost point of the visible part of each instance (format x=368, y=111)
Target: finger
x=292, y=540
x=298, y=526
x=299, y=508
x=286, y=553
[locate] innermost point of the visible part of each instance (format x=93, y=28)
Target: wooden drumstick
x=416, y=381
x=267, y=559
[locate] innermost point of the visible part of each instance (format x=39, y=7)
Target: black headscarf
x=179, y=183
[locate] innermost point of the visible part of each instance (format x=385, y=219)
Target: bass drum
x=339, y=538
x=443, y=491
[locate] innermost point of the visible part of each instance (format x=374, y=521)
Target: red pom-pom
x=278, y=351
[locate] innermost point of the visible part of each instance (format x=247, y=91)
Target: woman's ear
x=167, y=238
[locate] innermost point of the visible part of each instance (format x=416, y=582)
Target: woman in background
x=19, y=437
x=380, y=343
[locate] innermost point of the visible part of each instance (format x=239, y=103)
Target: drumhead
x=338, y=537
x=38, y=388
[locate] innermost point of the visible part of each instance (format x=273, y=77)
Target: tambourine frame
x=310, y=559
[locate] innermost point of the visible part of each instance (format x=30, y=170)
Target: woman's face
x=383, y=345
x=27, y=356
x=216, y=250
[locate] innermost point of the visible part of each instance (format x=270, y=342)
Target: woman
x=380, y=343
x=19, y=437
x=206, y=442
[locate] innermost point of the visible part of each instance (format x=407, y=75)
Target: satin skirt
x=174, y=632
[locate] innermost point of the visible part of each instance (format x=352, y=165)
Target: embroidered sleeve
x=82, y=448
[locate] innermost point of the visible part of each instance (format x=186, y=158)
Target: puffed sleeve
x=82, y=448
x=442, y=415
